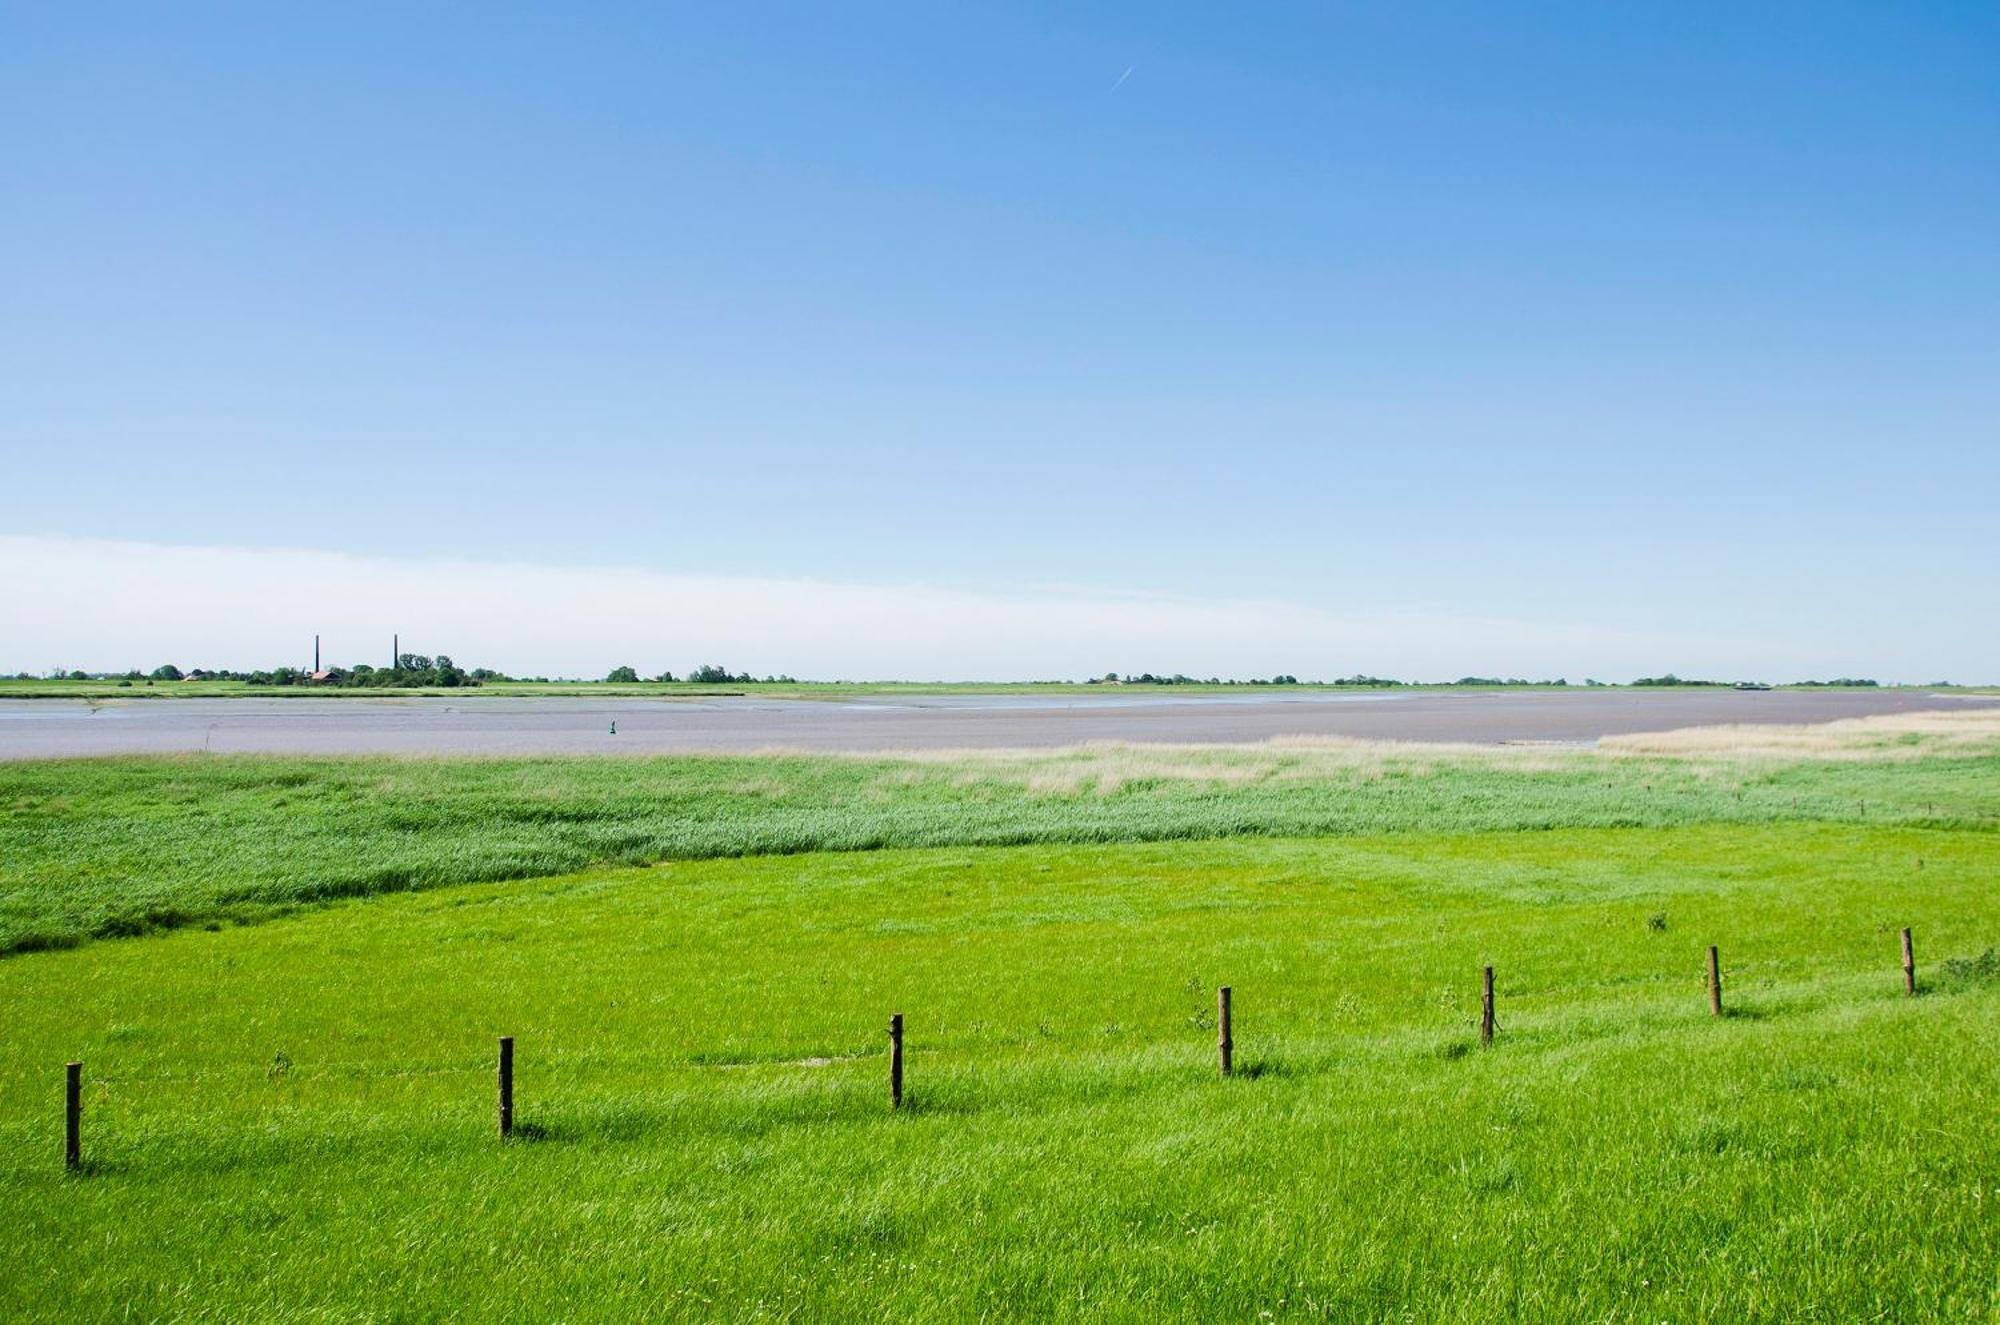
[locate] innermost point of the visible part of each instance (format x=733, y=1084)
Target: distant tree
x=666, y=677
x=710, y=674
x=166, y=672
x=624, y=674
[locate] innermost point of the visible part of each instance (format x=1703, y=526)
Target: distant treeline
x=1178, y=679
x=411, y=669
x=1287, y=679
x=706, y=674
x=1671, y=680
x=415, y=669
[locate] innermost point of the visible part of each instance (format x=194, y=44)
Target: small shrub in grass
x=1966, y=972
x=1797, y=1078
x=1490, y=1177
x=1657, y=922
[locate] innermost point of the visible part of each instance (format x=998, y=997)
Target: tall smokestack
x=315, y=653
x=395, y=652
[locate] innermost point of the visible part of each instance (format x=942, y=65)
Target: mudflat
x=581, y=725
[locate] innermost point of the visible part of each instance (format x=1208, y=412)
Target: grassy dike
x=293, y=1121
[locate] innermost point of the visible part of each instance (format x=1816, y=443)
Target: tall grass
x=97, y=848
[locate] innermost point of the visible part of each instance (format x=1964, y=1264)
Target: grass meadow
x=116, y=847
x=289, y=1101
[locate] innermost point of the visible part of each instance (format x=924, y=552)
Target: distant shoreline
x=836, y=690
x=595, y=721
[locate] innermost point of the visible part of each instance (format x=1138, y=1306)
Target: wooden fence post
x=896, y=1061
x=1714, y=982
x=1224, y=1045
x=506, y=1086
x=1909, y=965
x=1486, y=1007
x=73, y=1116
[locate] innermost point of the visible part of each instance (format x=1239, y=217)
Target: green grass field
x=291, y=1118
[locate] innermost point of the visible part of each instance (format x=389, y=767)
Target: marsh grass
x=1899, y=736
x=120, y=847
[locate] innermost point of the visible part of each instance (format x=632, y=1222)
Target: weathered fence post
x=1909, y=965
x=1714, y=982
x=896, y=1061
x=506, y=1086
x=73, y=1116
x=1486, y=1007
x=1224, y=1045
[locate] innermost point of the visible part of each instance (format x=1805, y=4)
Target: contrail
x=1122, y=77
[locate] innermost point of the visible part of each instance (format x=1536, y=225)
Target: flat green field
x=290, y=1116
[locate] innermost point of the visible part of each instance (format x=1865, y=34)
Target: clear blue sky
x=1676, y=318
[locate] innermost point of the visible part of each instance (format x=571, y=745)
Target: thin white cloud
x=100, y=605
x=1122, y=77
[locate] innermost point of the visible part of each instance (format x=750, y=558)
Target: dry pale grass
x=1105, y=767
x=1890, y=736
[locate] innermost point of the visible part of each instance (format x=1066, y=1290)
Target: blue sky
x=1674, y=324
